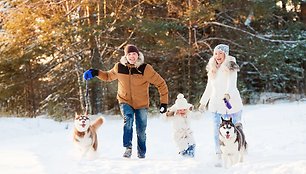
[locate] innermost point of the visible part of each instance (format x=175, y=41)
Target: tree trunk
x=81, y=93
x=30, y=95
x=304, y=77
x=303, y=12
x=95, y=86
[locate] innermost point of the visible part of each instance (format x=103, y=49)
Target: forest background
x=46, y=45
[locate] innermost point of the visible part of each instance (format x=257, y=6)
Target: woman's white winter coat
x=222, y=80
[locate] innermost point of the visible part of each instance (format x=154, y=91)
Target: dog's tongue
x=83, y=125
x=227, y=136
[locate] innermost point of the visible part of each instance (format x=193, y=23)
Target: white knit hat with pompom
x=181, y=102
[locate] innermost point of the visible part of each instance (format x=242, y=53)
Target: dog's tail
x=242, y=143
x=239, y=126
x=97, y=123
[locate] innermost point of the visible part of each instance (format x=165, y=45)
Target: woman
x=134, y=78
x=222, y=86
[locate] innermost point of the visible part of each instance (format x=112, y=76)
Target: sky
x=275, y=134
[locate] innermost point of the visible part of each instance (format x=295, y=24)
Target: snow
x=275, y=134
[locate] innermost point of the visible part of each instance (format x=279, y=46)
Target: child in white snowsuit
x=179, y=114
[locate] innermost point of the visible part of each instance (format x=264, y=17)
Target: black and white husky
x=232, y=142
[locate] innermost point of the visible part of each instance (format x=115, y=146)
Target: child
x=183, y=135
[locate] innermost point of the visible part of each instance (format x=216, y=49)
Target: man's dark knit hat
x=130, y=48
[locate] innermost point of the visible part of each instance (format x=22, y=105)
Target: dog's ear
x=231, y=120
x=76, y=115
x=222, y=119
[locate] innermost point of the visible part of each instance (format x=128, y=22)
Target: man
x=134, y=78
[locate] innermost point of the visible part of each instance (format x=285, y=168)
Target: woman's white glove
x=227, y=97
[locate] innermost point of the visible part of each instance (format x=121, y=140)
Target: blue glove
x=91, y=73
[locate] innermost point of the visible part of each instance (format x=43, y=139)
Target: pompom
x=180, y=96
x=181, y=102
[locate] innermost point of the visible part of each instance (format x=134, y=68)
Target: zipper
x=130, y=86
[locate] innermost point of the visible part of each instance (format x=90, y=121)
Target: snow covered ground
x=275, y=134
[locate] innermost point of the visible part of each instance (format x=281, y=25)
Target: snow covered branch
x=255, y=35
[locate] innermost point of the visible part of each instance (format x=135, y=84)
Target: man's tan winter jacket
x=134, y=82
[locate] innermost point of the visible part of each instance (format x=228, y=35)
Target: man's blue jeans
x=236, y=117
x=141, y=124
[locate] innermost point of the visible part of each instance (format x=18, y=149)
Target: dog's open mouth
x=83, y=125
x=227, y=136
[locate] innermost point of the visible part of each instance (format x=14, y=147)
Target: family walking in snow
x=134, y=77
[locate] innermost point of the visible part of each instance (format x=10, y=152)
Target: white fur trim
x=211, y=67
x=139, y=61
x=221, y=81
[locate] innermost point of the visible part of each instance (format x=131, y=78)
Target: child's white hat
x=181, y=103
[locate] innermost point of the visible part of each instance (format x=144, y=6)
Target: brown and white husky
x=85, y=134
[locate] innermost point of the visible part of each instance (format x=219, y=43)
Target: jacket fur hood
x=229, y=64
x=139, y=62
x=221, y=81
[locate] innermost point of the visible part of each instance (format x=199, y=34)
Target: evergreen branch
x=246, y=63
x=182, y=37
x=217, y=38
x=48, y=69
x=137, y=5
x=254, y=35
x=72, y=9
